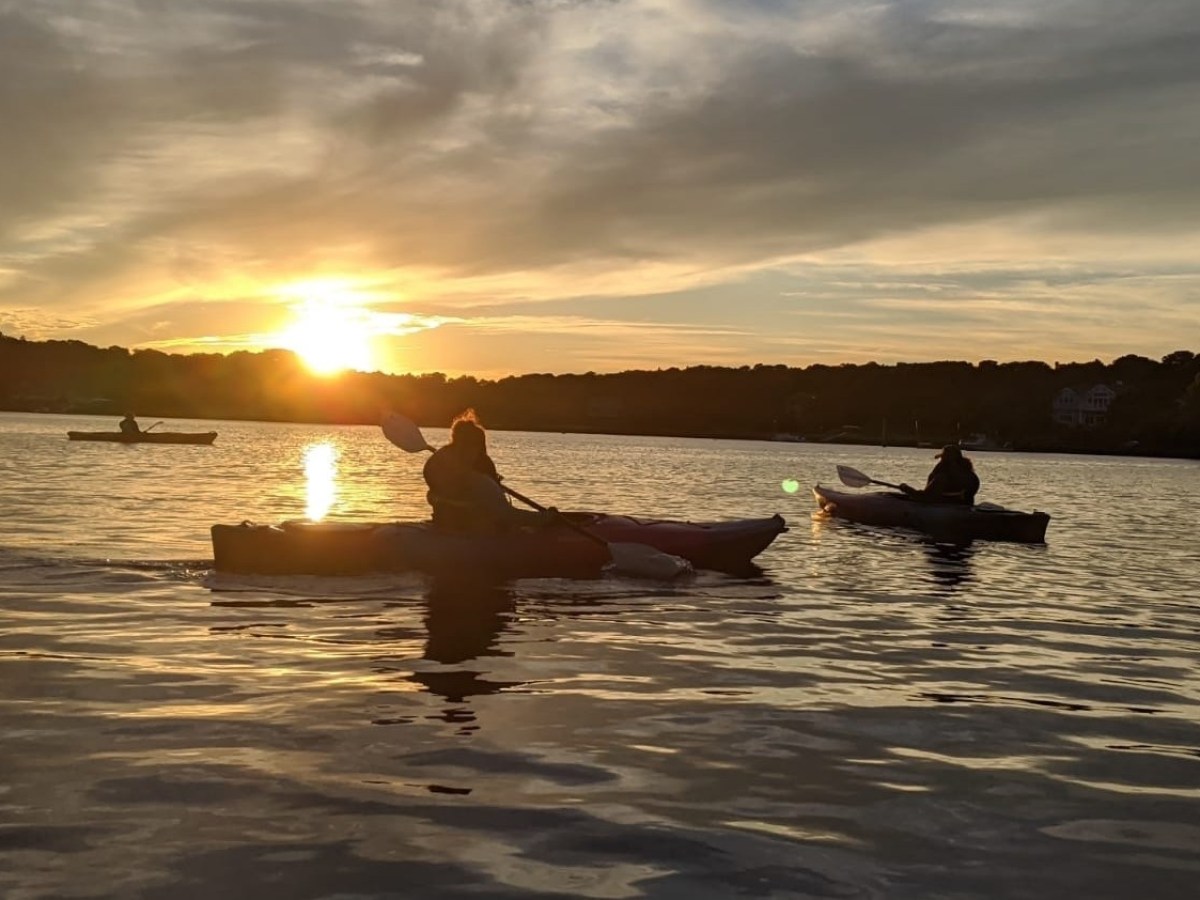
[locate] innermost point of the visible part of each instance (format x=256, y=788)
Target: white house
x=1083, y=407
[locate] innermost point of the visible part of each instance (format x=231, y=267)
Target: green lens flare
x=790, y=485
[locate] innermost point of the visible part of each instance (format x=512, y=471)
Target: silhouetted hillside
x=1142, y=405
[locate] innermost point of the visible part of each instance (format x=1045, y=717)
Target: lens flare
x=320, y=473
x=790, y=485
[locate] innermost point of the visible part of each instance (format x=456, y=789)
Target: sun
x=329, y=339
x=331, y=331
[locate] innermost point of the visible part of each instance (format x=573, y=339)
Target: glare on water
x=320, y=472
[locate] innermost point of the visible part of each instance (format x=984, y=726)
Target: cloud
x=474, y=153
x=534, y=325
x=485, y=346
x=911, y=122
x=35, y=324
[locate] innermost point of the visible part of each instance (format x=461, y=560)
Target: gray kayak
x=145, y=437
x=947, y=521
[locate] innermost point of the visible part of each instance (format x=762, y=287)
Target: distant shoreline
x=845, y=441
x=1132, y=406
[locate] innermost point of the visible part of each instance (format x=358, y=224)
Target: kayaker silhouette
x=129, y=425
x=953, y=479
x=464, y=486
x=465, y=619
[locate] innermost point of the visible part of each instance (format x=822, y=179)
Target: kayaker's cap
x=950, y=451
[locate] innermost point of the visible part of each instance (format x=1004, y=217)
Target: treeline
x=1156, y=410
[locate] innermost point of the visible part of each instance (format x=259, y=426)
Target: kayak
x=145, y=437
x=949, y=521
x=331, y=548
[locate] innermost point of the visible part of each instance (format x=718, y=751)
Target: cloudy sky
x=505, y=186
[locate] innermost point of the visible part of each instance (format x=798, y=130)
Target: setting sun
x=331, y=331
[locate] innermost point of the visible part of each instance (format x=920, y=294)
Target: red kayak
x=326, y=548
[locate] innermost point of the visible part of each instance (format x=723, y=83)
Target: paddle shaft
x=572, y=525
x=636, y=558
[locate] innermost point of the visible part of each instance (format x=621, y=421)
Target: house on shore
x=1077, y=407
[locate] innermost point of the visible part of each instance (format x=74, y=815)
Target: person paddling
x=953, y=480
x=129, y=425
x=464, y=486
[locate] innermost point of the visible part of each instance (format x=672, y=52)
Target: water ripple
x=871, y=715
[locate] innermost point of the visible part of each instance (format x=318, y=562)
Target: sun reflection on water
x=320, y=473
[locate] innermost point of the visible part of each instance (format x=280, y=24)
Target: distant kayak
x=948, y=521
x=324, y=548
x=145, y=437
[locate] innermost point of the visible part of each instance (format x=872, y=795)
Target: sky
x=494, y=187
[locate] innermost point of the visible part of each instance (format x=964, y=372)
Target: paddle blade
x=643, y=561
x=852, y=477
x=404, y=433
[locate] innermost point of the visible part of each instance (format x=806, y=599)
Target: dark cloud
x=917, y=124
x=58, y=118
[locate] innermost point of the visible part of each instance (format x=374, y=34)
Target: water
x=872, y=716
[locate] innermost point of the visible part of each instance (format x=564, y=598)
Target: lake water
x=873, y=716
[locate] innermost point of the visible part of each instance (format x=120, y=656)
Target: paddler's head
x=467, y=433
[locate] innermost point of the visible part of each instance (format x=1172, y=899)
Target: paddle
x=641, y=560
x=854, y=478
x=155, y=425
